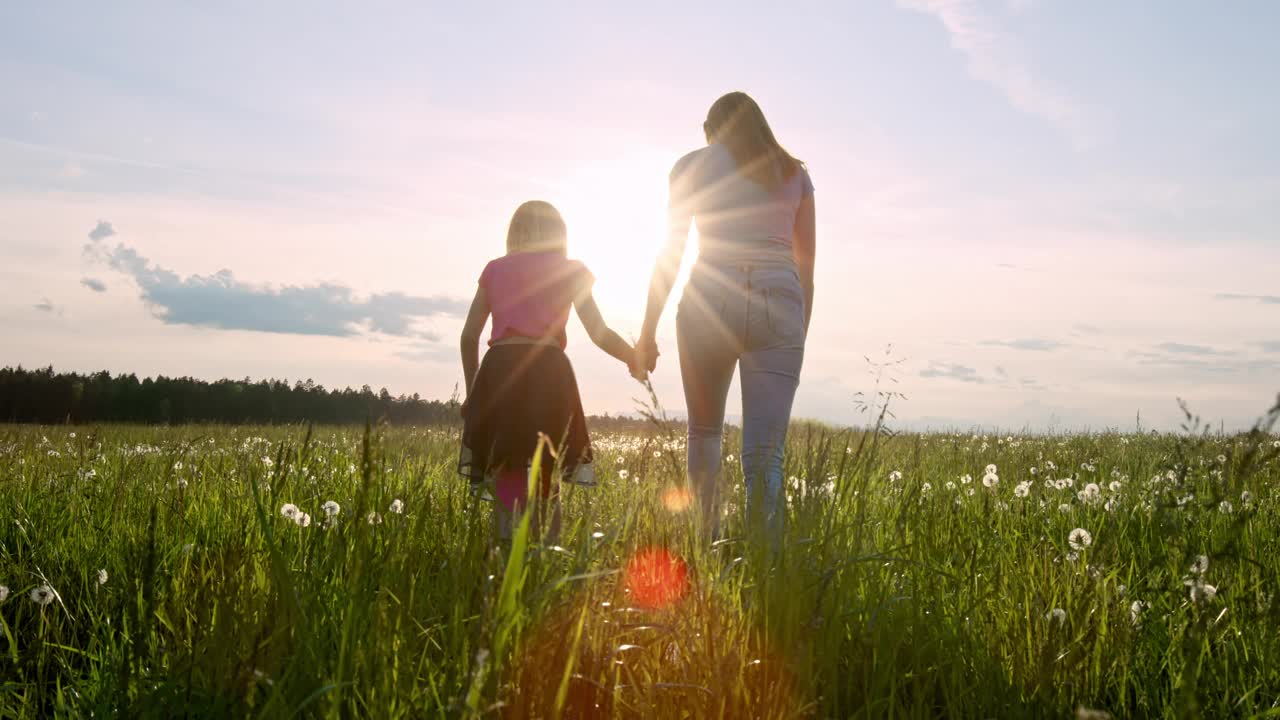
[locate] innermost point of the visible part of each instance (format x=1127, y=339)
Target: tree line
x=51, y=398
x=45, y=396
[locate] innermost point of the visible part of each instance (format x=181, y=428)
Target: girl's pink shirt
x=530, y=294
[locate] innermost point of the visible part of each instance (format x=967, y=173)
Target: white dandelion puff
x=1201, y=565
x=950, y=485
x=42, y=595
x=4, y=593
x=966, y=479
x=1079, y=539
x=1064, y=508
x=331, y=508
x=289, y=511
x=728, y=458
x=991, y=469
x=895, y=476
x=623, y=474
x=397, y=507
x=925, y=488
x=1136, y=608
x=1225, y=507
x=990, y=480
x=657, y=453
x=1057, y=615
x=375, y=518
x=1023, y=489
x=102, y=576
x=1115, y=486
x=1202, y=593
x=303, y=520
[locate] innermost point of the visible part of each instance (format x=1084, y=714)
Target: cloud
x=101, y=231
x=994, y=59
x=1199, y=350
x=1264, y=299
x=46, y=306
x=1033, y=344
x=1083, y=329
x=1271, y=346
x=94, y=284
x=223, y=302
x=952, y=371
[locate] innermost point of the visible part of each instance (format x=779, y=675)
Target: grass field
x=152, y=571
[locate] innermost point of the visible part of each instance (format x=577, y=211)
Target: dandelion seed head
x=895, y=476
x=397, y=507
x=302, y=519
x=331, y=508
x=1079, y=539
x=1202, y=593
x=991, y=469
x=42, y=595
x=623, y=474
x=1023, y=489
x=289, y=511
x=1136, y=608
x=102, y=576
x=1201, y=565
x=990, y=480
x=4, y=593
x=1057, y=615
x=375, y=518
x=1225, y=507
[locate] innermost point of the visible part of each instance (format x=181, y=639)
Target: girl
x=526, y=386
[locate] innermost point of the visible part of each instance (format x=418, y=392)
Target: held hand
x=635, y=368
x=647, y=353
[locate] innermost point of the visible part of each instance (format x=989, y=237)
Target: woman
x=748, y=300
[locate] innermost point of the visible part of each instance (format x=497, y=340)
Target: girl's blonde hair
x=737, y=122
x=537, y=226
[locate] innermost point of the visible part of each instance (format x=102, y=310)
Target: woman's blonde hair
x=537, y=226
x=737, y=122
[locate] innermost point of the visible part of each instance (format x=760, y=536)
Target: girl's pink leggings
x=513, y=488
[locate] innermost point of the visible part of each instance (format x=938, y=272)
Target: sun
x=616, y=212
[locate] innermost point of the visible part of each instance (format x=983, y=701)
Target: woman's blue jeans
x=751, y=317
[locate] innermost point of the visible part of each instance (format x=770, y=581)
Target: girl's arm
x=679, y=219
x=477, y=316
x=804, y=249
x=604, y=337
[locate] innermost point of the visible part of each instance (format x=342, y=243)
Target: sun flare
x=615, y=209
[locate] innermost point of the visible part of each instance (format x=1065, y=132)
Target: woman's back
x=738, y=219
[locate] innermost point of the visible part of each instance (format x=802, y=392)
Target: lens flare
x=657, y=578
x=677, y=499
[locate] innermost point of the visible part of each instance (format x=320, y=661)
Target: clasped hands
x=644, y=358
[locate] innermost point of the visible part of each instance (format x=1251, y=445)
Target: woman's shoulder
x=692, y=162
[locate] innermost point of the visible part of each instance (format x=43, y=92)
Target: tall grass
x=900, y=589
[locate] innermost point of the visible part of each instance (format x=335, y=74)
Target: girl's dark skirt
x=521, y=392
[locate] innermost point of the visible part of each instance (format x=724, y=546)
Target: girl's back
x=530, y=294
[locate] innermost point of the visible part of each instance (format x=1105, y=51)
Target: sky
x=1032, y=214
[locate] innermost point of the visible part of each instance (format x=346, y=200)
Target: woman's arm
x=804, y=249
x=679, y=219
x=477, y=316
x=604, y=337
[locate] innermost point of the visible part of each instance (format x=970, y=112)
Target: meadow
x=214, y=571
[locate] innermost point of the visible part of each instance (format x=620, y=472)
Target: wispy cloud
x=94, y=284
x=993, y=58
x=953, y=371
x=1264, y=299
x=1033, y=344
x=46, y=306
x=101, y=231
x=1185, y=349
x=1271, y=346
x=224, y=302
